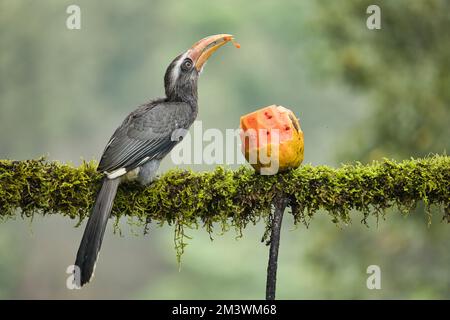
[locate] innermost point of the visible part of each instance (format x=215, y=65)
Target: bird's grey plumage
x=146, y=136
x=94, y=231
x=148, y=132
x=147, y=172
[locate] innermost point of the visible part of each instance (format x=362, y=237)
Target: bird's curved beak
x=203, y=49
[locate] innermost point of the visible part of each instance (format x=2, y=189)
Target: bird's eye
x=187, y=65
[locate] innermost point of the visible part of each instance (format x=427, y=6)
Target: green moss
x=230, y=199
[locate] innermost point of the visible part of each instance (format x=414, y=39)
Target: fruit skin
x=284, y=147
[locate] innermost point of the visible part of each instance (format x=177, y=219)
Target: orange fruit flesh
x=273, y=132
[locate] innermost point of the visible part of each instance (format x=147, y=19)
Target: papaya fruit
x=272, y=140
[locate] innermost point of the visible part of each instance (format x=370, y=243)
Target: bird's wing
x=148, y=133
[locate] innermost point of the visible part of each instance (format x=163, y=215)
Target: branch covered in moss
x=230, y=198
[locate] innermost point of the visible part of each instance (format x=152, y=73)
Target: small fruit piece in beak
x=237, y=45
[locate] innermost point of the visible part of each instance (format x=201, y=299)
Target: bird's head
x=180, y=80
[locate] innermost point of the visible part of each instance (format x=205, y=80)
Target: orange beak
x=200, y=52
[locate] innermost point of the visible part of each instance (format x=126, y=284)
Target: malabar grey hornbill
x=143, y=139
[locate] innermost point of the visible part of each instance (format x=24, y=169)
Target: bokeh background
x=360, y=94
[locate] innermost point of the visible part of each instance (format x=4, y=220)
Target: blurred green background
x=360, y=95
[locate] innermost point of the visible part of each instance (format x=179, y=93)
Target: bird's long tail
x=95, y=228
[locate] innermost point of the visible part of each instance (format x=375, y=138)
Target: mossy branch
x=229, y=198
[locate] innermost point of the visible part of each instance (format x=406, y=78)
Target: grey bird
x=143, y=139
